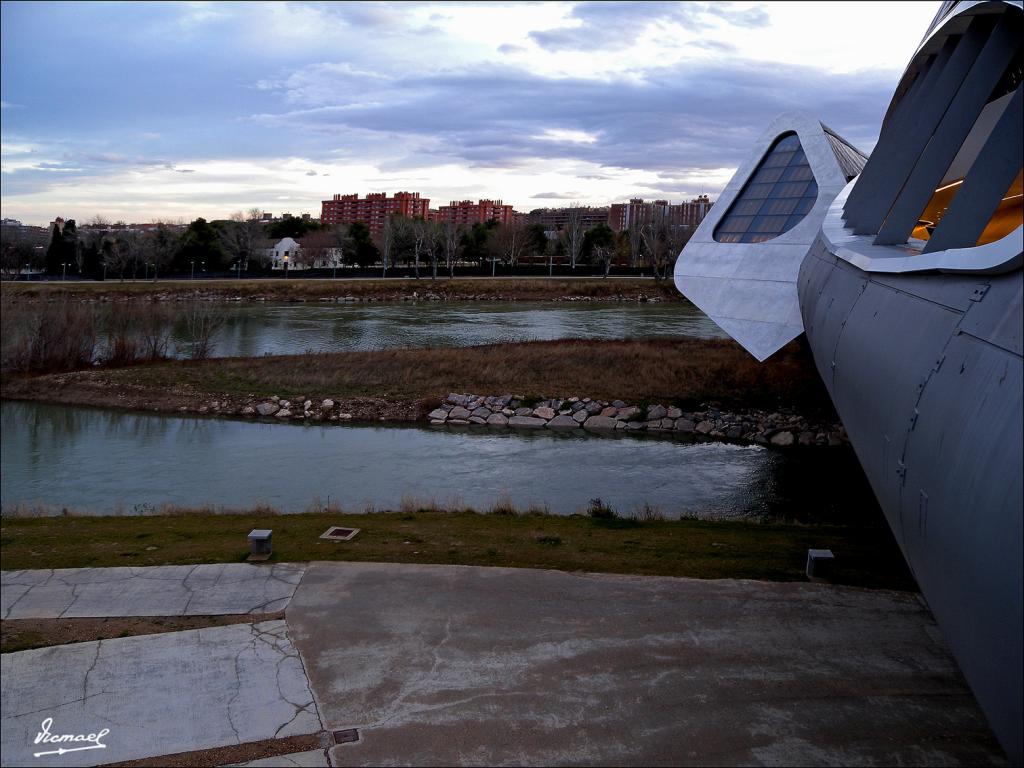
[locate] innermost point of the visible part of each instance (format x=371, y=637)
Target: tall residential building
x=554, y=219
x=622, y=216
x=468, y=213
x=374, y=209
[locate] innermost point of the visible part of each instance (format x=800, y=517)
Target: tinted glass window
x=776, y=198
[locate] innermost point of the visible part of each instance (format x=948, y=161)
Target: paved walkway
x=157, y=694
x=171, y=590
x=460, y=665
x=449, y=665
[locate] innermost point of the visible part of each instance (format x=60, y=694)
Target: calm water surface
x=116, y=462
x=276, y=329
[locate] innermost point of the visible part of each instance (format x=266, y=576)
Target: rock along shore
x=753, y=426
x=382, y=296
x=776, y=428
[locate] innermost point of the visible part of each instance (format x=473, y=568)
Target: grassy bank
x=682, y=371
x=394, y=289
x=866, y=557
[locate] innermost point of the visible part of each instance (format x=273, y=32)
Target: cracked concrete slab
x=157, y=694
x=169, y=590
x=311, y=759
x=450, y=665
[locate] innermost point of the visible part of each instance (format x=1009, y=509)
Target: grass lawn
x=866, y=556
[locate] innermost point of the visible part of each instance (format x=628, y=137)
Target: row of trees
x=433, y=246
x=243, y=242
x=102, y=249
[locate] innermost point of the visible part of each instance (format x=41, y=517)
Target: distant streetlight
x=64, y=271
x=28, y=275
x=286, y=266
x=193, y=276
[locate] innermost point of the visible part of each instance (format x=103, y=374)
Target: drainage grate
x=347, y=736
x=339, y=534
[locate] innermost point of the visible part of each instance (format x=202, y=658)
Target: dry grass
x=25, y=634
x=866, y=555
x=64, y=334
x=683, y=371
x=526, y=289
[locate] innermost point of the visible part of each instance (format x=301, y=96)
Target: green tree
x=54, y=252
x=63, y=248
x=599, y=246
x=200, y=246
x=363, y=252
x=292, y=227
x=474, y=241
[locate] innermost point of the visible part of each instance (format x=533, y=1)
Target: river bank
x=354, y=290
x=867, y=556
x=699, y=378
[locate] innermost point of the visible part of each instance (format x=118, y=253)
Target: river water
x=115, y=462
x=281, y=329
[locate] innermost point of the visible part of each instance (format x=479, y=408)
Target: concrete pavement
x=448, y=665
x=170, y=590
x=464, y=665
x=157, y=694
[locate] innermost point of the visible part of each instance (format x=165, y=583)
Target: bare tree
x=243, y=238
x=18, y=251
x=432, y=243
x=315, y=248
x=159, y=246
x=451, y=240
x=660, y=239
x=202, y=321
x=386, y=242
x=120, y=250
x=635, y=242
x=341, y=244
x=574, y=235
x=419, y=235
x=510, y=242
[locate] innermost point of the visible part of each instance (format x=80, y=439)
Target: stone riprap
x=776, y=428
x=780, y=428
x=167, y=590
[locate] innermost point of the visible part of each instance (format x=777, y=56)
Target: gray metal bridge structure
x=904, y=270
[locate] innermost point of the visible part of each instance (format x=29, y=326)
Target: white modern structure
x=905, y=274
x=288, y=251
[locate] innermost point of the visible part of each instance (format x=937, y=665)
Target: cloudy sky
x=141, y=111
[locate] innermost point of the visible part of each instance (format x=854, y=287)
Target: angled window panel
x=993, y=61
x=991, y=186
x=772, y=202
x=746, y=280
x=893, y=163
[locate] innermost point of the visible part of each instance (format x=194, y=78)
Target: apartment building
x=468, y=213
x=374, y=209
x=622, y=216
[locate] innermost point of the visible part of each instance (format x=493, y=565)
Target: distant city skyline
x=179, y=110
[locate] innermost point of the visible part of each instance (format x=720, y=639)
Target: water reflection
x=259, y=329
x=106, y=461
